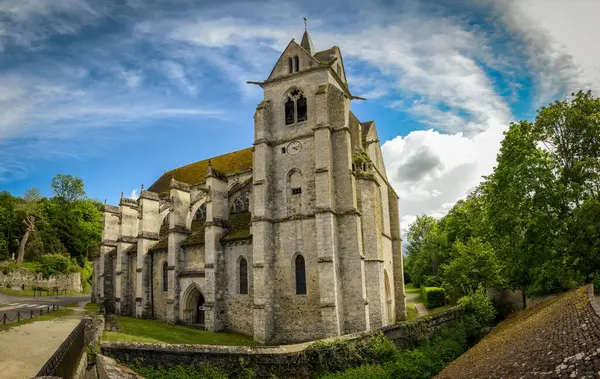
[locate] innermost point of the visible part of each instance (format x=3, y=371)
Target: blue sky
x=117, y=92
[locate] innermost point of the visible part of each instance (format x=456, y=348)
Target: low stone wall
x=20, y=277
x=266, y=361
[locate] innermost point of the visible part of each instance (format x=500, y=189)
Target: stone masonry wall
x=160, y=296
x=20, y=277
x=266, y=362
x=238, y=306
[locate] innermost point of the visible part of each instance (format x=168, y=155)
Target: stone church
x=293, y=239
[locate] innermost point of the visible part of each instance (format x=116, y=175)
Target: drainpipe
x=152, y=283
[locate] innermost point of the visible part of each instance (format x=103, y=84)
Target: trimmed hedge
x=433, y=296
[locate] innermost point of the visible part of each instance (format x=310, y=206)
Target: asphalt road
x=11, y=305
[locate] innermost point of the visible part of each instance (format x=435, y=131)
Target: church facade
x=293, y=239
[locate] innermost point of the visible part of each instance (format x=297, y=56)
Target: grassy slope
x=135, y=330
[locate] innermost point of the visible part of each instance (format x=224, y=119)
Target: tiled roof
x=239, y=227
x=194, y=173
x=197, y=236
x=559, y=338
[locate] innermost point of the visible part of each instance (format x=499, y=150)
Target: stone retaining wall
x=18, y=277
x=266, y=361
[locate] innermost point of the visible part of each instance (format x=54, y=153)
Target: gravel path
x=26, y=348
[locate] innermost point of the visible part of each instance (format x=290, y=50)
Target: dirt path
x=26, y=348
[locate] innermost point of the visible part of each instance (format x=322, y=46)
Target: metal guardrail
x=63, y=363
x=24, y=315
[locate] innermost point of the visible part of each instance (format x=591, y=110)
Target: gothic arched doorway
x=192, y=303
x=200, y=310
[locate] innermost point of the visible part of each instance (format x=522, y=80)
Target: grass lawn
x=136, y=330
x=410, y=288
x=62, y=312
x=91, y=308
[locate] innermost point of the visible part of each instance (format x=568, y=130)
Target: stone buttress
x=178, y=232
x=110, y=233
x=217, y=214
x=147, y=237
x=128, y=226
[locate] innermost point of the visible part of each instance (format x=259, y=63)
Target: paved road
x=24, y=349
x=24, y=305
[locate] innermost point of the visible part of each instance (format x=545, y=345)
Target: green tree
x=68, y=188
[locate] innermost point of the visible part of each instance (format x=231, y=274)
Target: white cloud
x=558, y=38
x=134, y=194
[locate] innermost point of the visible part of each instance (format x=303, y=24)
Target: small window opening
x=297, y=63
x=283, y=150
x=290, y=65
x=165, y=275
x=296, y=191
x=243, y=276
x=300, y=276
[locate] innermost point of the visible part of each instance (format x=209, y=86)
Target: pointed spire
x=306, y=41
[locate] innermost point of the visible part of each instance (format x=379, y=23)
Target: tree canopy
x=534, y=223
x=68, y=224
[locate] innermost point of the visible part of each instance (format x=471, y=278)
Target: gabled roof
x=325, y=56
x=195, y=173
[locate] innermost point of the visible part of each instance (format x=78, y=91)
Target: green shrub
x=199, y=371
x=478, y=305
x=39, y=288
x=433, y=296
x=53, y=264
x=362, y=372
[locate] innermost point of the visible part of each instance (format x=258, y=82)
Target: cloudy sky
x=117, y=92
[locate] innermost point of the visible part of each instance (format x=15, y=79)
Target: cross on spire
x=305, y=26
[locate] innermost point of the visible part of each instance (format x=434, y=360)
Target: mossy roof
x=239, y=227
x=195, y=173
x=555, y=338
x=131, y=249
x=197, y=236
x=163, y=242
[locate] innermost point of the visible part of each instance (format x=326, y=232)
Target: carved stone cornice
x=217, y=222
x=127, y=202
x=192, y=274
x=127, y=239
x=321, y=126
x=110, y=243
x=112, y=209
x=149, y=195
x=148, y=236
x=175, y=184
x=180, y=229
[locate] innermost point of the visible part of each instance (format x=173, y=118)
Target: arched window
x=243, y=276
x=165, y=277
x=296, y=108
x=241, y=204
x=201, y=213
x=300, y=276
x=297, y=63
x=301, y=107
x=290, y=65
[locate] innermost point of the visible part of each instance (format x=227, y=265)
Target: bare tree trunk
x=22, y=247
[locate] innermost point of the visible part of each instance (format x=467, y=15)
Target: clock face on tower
x=294, y=147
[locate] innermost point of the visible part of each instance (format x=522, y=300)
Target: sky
x=118, y=92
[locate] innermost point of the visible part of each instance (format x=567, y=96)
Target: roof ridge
x=207, y=159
